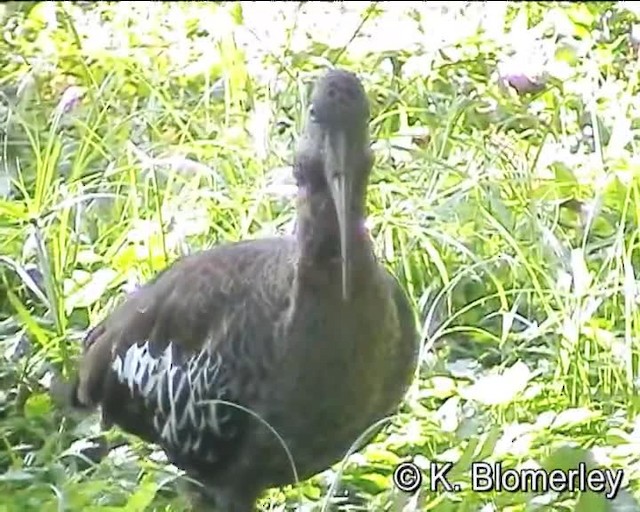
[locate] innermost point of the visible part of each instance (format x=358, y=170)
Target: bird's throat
x=318, y=234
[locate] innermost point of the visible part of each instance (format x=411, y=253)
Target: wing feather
x=199, y=333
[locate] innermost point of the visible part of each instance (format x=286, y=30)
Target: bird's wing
x=202, y=331
x=403, y=353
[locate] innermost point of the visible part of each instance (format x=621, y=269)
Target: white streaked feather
x=153, y=379
x=168, y=432
x=182, y=421
x=116, y=366
x=213, y=418
x=149, y=386
x=139, y=368
x=159, y=400
x=171, y=371
x=128, y=362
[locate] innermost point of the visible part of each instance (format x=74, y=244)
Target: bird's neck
x=318, y=233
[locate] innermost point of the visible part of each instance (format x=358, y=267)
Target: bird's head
x=334, y=154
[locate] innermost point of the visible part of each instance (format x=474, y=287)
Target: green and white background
x=505, y=196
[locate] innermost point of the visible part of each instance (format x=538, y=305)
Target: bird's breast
x=333, y=373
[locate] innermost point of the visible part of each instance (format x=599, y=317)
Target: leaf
x=490, y=442
x=441, y=387
x=580, y=14
x=592, y=502
x=581, y=275
x=499, y=388
x=92, y=289
x=466, y=459
x=574, y=417
x=624, y=502
x=12, y=210
x=564, y=177
x=142, y=498
x=374, y=482
x=16, y=476
x=565, y=458
x=27, y=319
x=37, y=406
x=448, y=414
x=567, y=53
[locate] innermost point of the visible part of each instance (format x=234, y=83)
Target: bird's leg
x=233, y=502
x=208, y=499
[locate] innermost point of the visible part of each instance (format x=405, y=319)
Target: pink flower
x=522, y=75
x=71, y=97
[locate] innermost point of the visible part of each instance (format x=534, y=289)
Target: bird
x=302, y=341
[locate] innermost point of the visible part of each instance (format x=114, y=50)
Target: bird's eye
x=312, y=113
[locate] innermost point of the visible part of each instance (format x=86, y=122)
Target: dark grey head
x=334, y=154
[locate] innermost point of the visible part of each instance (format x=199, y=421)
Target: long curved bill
x=339, y=180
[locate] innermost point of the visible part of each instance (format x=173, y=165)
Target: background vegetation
x=506, y=197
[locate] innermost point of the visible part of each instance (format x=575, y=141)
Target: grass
x=134, y=134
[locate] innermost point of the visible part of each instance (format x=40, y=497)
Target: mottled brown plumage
x=309, y=332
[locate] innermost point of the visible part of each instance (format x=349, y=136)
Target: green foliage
x=506, y=197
